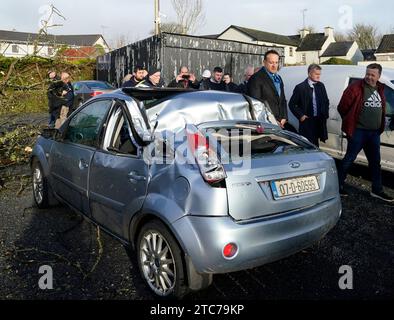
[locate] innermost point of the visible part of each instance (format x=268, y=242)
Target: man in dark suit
x=310, y=104
x=267, y=86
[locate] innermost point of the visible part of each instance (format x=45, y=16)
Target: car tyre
x=40, y=186
x=160, y=261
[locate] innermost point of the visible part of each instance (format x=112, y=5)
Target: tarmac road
x=30, y=238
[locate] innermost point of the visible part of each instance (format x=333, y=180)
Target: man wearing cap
x=154, y=78
x=206, y=75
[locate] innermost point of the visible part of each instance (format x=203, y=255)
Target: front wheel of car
x=40, y=186
x=160, y=261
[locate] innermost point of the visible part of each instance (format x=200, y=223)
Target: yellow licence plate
x=294, y=186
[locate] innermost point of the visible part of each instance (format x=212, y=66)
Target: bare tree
x=120, y=41
x=366, y=36
x=339, y=37
x=170, y=27
x=45, y=26
x=190, y=15
x=310, y=28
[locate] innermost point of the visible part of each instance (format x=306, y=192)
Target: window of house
x=15, y=48
x=50, y=51
x=291, y=53
x=304, y=58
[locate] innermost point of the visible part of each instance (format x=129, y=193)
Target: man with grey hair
x=309, y=103
x=249, y=71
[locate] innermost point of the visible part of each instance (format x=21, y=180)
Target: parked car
x=84, y=90
x=336, y=79
x=196, y=182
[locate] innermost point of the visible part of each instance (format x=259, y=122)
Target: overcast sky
x=134, y=18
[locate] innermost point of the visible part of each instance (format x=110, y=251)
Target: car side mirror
x=50, y=133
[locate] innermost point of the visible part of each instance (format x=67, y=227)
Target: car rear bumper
x=259, y=241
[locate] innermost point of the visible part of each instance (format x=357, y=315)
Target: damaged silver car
x=193, y=182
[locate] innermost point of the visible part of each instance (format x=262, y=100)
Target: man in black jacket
x=184, y=79
x=229, y=85
x=267, y=86
x=138, y=79
x=310, y=104
x=55, y=97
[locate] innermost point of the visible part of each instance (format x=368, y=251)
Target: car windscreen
x=99, y=85
x=235, y=142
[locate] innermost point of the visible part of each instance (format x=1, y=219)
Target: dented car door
x=119, y=175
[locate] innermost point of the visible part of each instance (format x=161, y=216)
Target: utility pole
x=157, y=17
x=303, y=18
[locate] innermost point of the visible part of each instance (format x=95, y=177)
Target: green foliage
x=13, y=144
x=338, y=61
x=25, y=90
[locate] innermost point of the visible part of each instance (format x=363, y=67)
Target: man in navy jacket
x=310, y=104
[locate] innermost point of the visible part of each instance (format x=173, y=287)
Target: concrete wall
x=23, y=50
x=311, y=57
x=384, y=56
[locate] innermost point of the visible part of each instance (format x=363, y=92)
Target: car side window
x=84, y=127
x=77, y=86
x=122, y=140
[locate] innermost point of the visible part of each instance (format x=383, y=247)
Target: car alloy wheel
x=40, y=186
x=160, y=262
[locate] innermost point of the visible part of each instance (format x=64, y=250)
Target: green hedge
x=337, y=61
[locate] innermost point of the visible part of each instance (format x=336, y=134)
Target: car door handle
x=83, y=164
x=135, y=177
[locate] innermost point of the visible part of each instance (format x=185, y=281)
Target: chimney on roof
x=304, y=33
x=329, y=32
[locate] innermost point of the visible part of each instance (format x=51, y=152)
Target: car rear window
x=98, y=85
x=233, y=143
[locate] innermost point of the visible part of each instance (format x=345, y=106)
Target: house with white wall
x=236, y=33
x=313, y=45
x=304, y=48
x=385, y=52
x=347, y=50
x=19, y=44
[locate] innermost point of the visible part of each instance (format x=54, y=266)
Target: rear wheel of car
x=40, y=186
x=160, y=261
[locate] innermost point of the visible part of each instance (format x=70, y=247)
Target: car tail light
x=96, y=93
x=230, y=250
x=208, y=162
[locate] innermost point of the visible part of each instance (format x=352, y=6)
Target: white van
x=336, y=78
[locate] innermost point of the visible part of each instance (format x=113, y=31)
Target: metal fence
x=171, y=51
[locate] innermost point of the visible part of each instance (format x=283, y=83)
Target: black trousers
x=310, y=129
